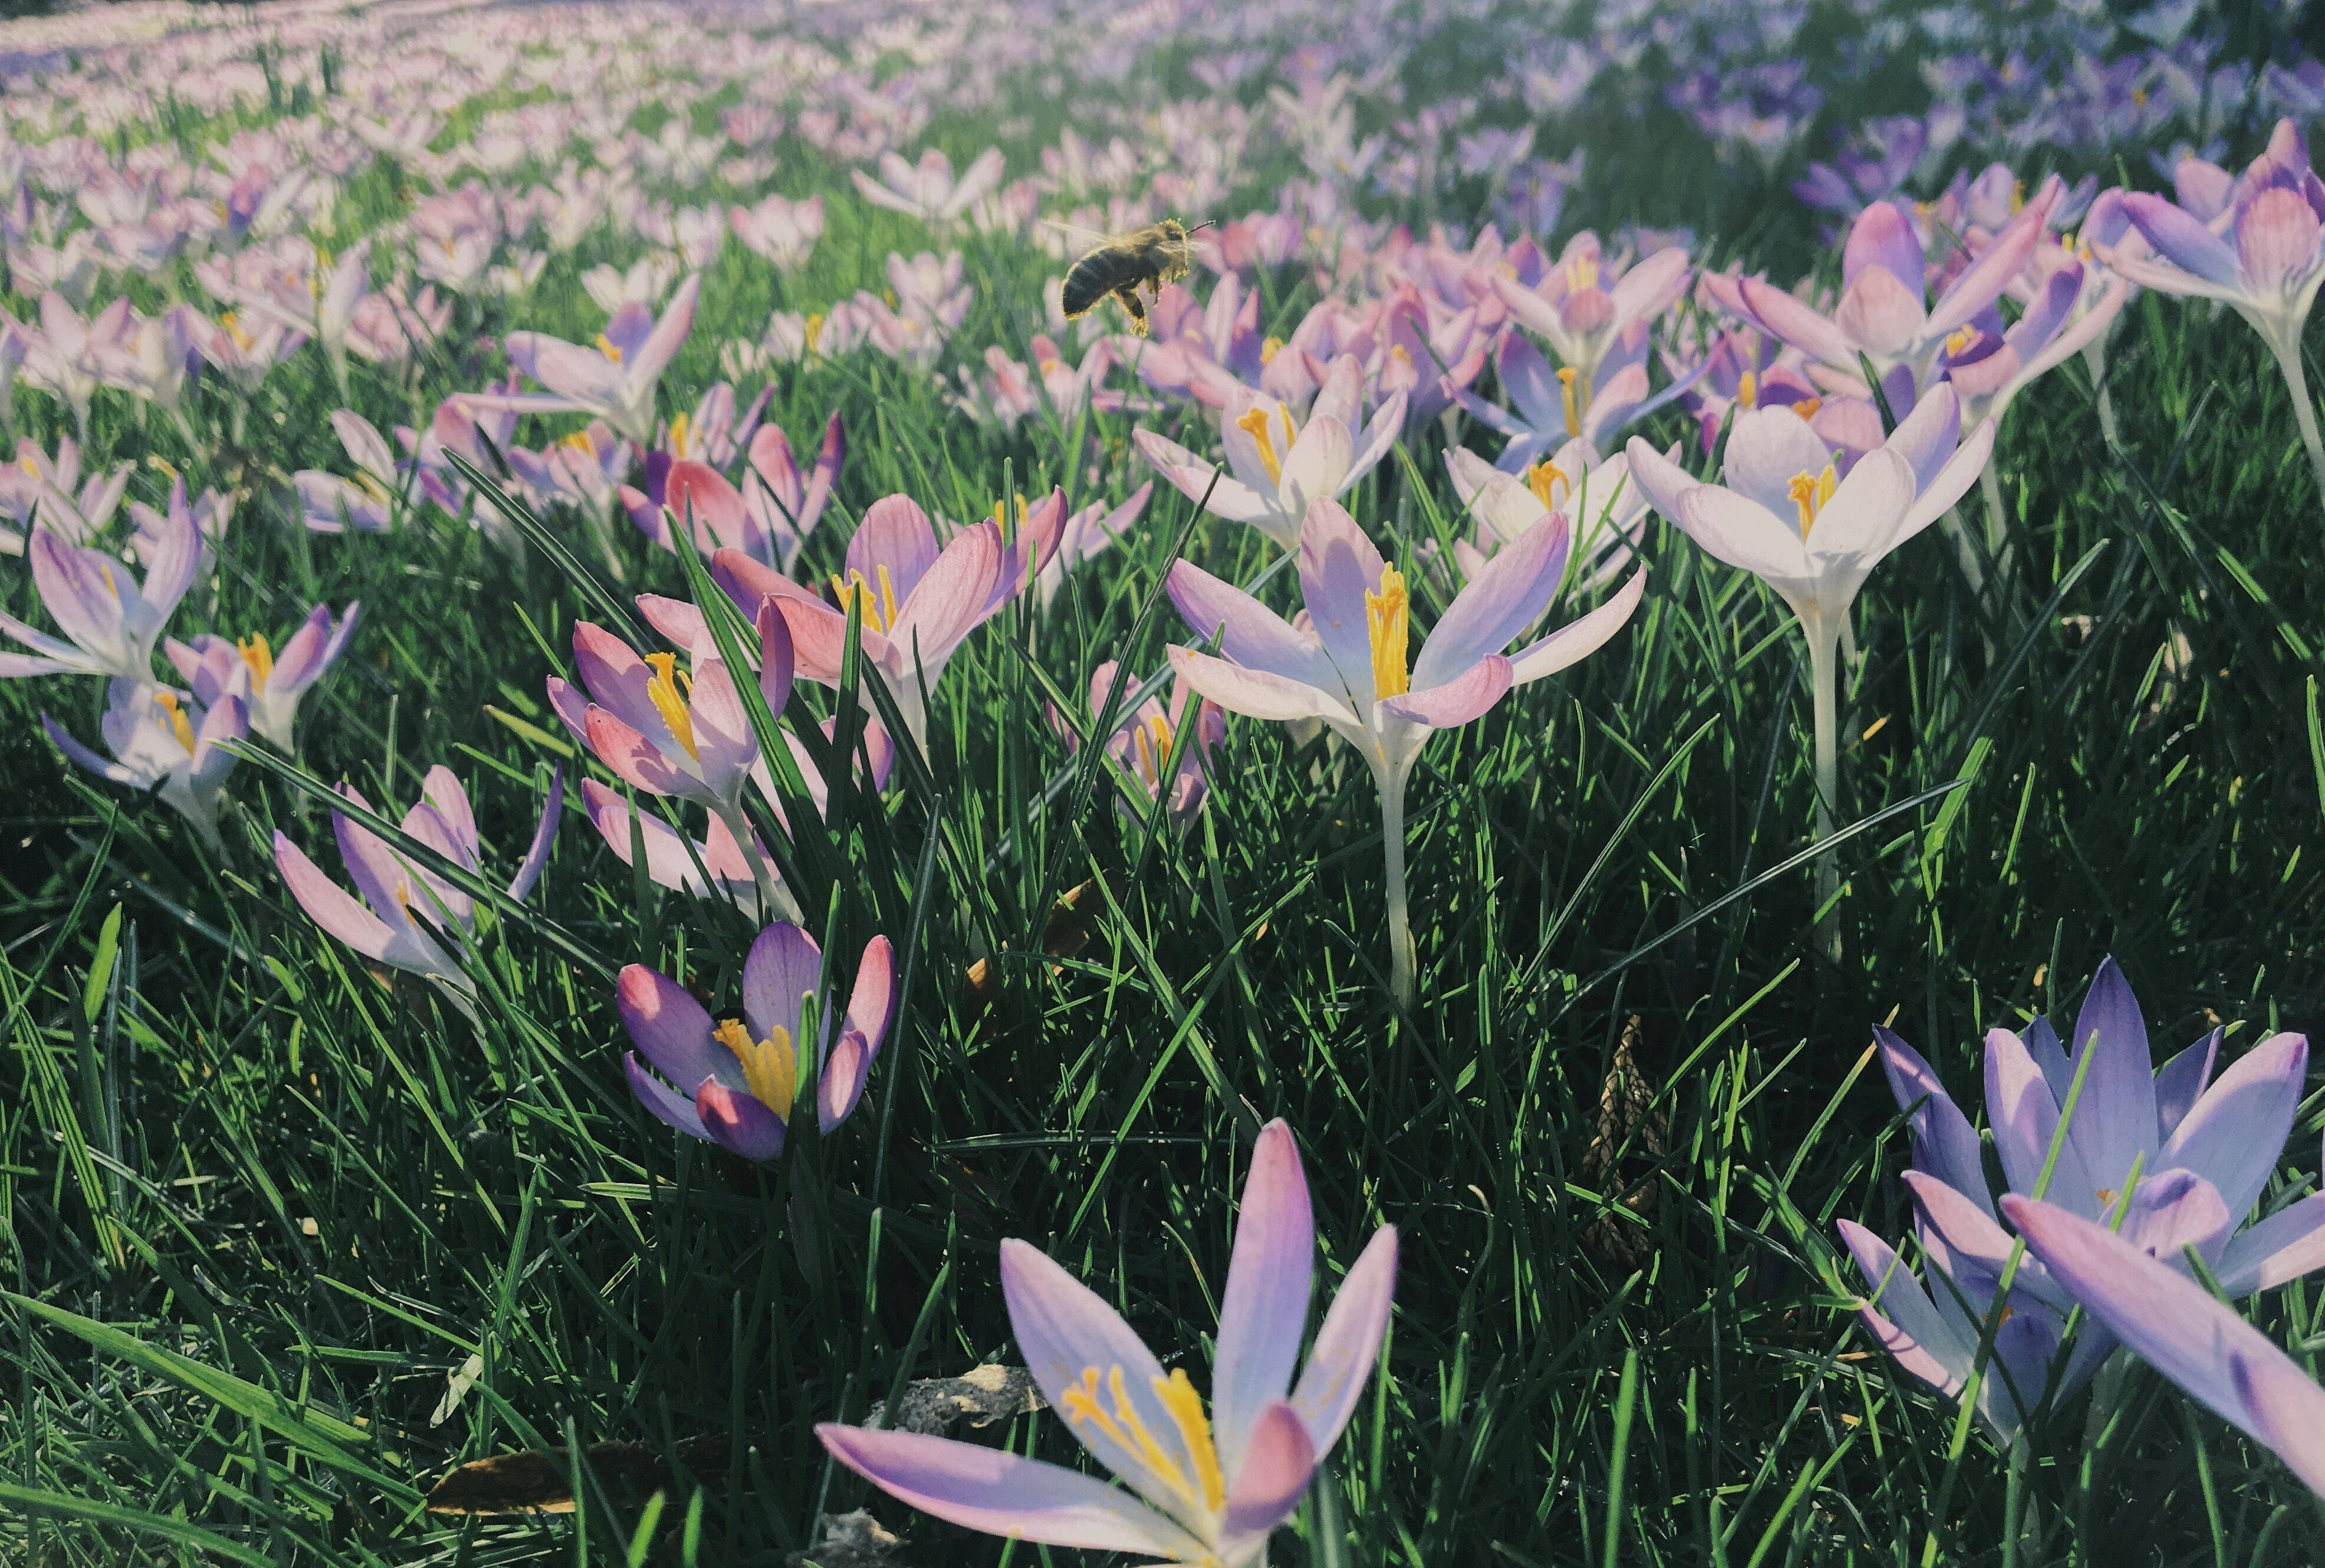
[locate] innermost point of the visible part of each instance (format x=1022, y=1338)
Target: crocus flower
x=1548, y=407
x=1210, y=1488
x=1276, y=465
x=928, y=189
x=1140, y=746
x=781, y=231
x=683, y=735
x=1087, y=533
x=67, y=356
x=612, y=380
x=270, y=684
x=406, y=911
x=110, y=621
x=2267, y=268
x=1597, y=493
x=1884, y=314
x=768, y=521
x=740, y=1079
x=2182, y=1329
x=209, y=514
x=1352, y=672
x=160, y=741
x=1570, y=307
x=318, y=302
x=1789, y=515
x=35, y=489
x=917, y=603
x=366, y=503
x=2168, y=1155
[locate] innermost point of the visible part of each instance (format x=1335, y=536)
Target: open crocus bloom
x=613, y=378
x=1210, y=1488
x=406, y=907
x=110, y=621
x=1575, y=482
x=1276, y=465
x=1547, y=408
x=1883, y=314
x=2168, y=1157
x=1988, y=365
x=1572, y=310
x=271, y=683
x=33, y=490
x=928, y=189
x=1354, y=671
x=366, y=503
x=918, y=603
x=160, y=739
x=740, y=1079
x=2182, y=1329
x=768, y=520
x=1140, y=745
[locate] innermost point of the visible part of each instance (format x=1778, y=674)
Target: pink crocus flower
x=35, y=489
x=740, y=1081
x=407, y=913
x=368, y=503
x=1581, y=308
x=1277, y=465
x=613, y=379
x=162, y=743
x=110, y=620
x=1352, y=671
x=1206, y=1487
x=928, y=189
x=1140, y=746
x=768, y=520
x=68, y=356
x=918, y=603
x=269, y=682
x=779, y=230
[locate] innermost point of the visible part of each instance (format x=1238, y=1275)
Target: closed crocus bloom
x=1355, y=670
x=406, y=913
x=110, y=620
x=367, y=502
x=161, y=739
x=1277, y=465
x=1206, y=1487
x=740, y=1081
x=270, y=682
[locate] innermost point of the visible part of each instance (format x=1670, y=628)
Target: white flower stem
x=772, y=903
x=1401, y=953
x=1824, y=673
x=2095, y=356
x=2305, y=408
x=1998, y=532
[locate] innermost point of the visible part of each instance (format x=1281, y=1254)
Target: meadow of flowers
x=688, y=883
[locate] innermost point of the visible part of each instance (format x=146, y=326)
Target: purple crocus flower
x=1140, y=746
x=1883, y=315
x=612, y=380
x=1582, y=309
x=35, y=489
x=164, y=743
x=367, y=502
x=269, y=682
x=2182, y=1329
x=1352, y=671
x=110, y=620
x=739, y=1080
x=1210, y=1488
x=928, y=189
x=406, y=911
x=1547, y=408
x=2169, y=1155
x=2267, y=269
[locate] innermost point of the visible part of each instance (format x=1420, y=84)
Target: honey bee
x=1160, y=253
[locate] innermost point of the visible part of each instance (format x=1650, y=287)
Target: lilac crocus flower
x=928, y=189
x=739, y=1080
x=69, y=356
x=1884, y=314
x=1570, y=305
x=1140, y=746
x=1788, y=513
x=164, y=743
x=612, y=380
x=1276, y=465
x=1547, y=408
x=686, y=736
x=366, y=503
x=780, y=230
x=110, y=620
x=1206, y=1487
x=918, y=603
x=34, y=489
x=269, y=682
x=2267, y=268
x=1352, y=672
x=2168, y=1155
x=770, y=518
x=406, y=912
x=210, y=512
x=2182, y=1329
x=1575, y=482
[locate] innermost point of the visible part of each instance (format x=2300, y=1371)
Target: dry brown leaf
x=1631, y=1125
x=540, y=1480
x=979, y=1396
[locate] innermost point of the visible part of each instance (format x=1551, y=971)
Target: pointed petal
x=1263, y=1314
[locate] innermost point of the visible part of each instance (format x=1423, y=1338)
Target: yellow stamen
x=1582, y=272
x=29, y=466
x=1186, y=1407
x=1151, y=743
x=1566, y=395
x=256, y=654
x=179, y=724
x=2017, y=194
x=373, y=488
x=1546, y=479
x=1001, y=516
x=1807, y=407
x=1269, y=349
x=880, y=612
x=1253, y=424
x=814, y=333
x=681, y=429
x=1810, y=493
x=580, y=441
x=662, y=690
x=1206, y=1491
x=232, y=325
x=1388, y=622
x=769, y=1066
x=1747, y=391
x=1960, y=338
x=609, y=349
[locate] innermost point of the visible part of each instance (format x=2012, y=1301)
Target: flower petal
x=1348, y=1343
x=1264, y=1312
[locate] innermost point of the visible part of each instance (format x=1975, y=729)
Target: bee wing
x=1075, y=231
